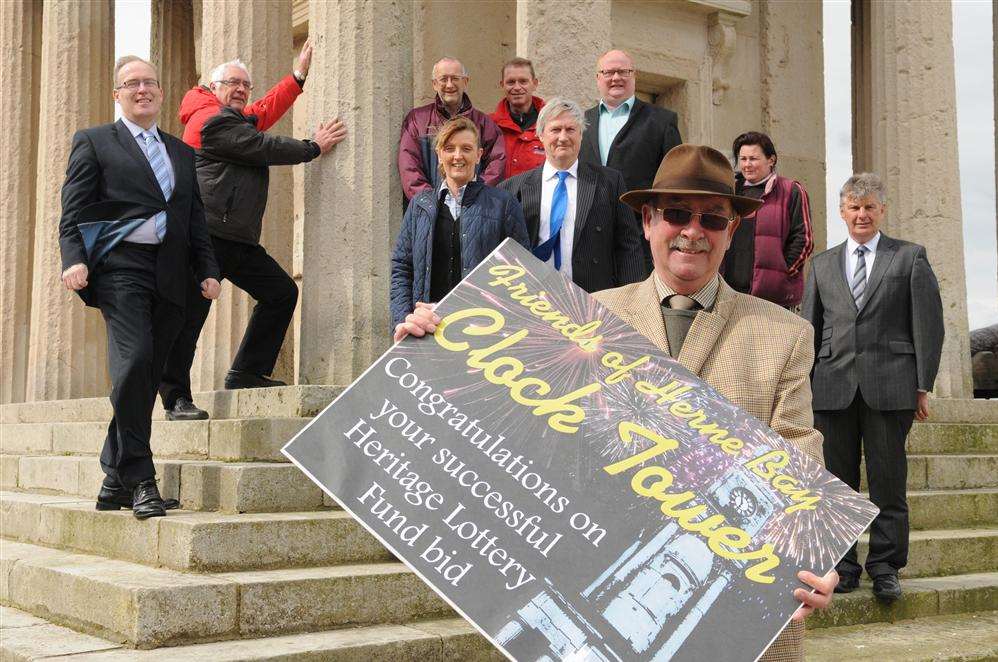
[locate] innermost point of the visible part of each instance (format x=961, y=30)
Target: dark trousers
x=141, y=327
x=879, y=435
x=252, y=270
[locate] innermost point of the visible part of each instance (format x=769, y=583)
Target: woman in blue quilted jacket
x=447, y=232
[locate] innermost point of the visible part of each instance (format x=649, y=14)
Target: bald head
x=615, y=77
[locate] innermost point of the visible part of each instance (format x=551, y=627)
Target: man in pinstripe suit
x=753, y=352
x=878, y=335
x=575, y=219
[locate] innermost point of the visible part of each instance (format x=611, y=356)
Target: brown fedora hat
x=694, y=170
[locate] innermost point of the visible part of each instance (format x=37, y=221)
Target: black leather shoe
x=847, y=583
x=239, y=379
x=886, y=588
x=185, y=410
x=117, y=497
x=146, y=501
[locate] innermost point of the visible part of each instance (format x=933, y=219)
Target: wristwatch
x=299, y=76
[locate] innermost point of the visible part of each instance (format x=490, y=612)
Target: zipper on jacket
x=228, y=206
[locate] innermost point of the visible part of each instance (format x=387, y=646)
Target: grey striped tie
x=859, y=276
x=160, y=168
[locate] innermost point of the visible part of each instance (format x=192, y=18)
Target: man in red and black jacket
x=233, y=154
x=516, y=117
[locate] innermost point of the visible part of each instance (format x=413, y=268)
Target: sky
x=975, y=129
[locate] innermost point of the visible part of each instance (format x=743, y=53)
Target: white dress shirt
x=453, y=204
x=549, y=182
x=851, y=257
x=146, y=233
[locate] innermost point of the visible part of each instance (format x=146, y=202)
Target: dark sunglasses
x=683, y=217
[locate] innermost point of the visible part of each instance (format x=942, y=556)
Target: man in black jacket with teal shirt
x=132, y=230
x=234, y=153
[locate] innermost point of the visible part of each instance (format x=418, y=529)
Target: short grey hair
x=219, y=71
x=861, y=185
x=128, y=59
x=447, y=58
x=555, y=107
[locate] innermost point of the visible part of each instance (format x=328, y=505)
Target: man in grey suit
x=575, y=219
x=878, y=335
x=626, y=133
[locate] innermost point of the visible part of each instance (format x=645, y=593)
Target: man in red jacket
x=232, y=158
x=516, y=116
x=417, y=160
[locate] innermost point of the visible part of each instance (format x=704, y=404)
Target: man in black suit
x=878, y=335
x=574, y=215
x=132, y=223
x=625, y=133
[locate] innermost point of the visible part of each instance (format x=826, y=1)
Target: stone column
x=258, y=32
x=68, y=352
x=910, y=117
x=20, y=44
x=172, y=51
x=793, y=97
x=567, y=38
x=362, y=72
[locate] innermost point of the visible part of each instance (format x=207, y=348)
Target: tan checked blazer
x=758, y=356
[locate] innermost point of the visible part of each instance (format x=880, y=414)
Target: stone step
x=946, y=410
x=940, y=552
x=199, y=542
x=26, y=638
x=947, y=472
x=921, y=597
x=230, y=487
x=298, y=401
x=235, y=439
x=925, y=438
x=952, y=509
x=150, y=607
x=960, y=638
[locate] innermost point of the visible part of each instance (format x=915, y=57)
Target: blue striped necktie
x=559, y=205
x=160, y=168
x=859, y=276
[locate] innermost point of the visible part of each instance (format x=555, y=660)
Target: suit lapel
x=632, y=119
x=584, y=197
x=886, y=248
x=131, y=146
x=644, y=313
x=706, y=329
x=531, y=201
x=590, y=137
x=840, y=277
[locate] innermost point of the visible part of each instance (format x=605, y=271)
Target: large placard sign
x=570, y=489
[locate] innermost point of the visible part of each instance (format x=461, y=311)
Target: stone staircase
x=260, y=565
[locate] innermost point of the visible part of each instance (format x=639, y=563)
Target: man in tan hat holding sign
x=753, y=352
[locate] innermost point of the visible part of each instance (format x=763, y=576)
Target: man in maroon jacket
x=417, y=159
x=516, y=117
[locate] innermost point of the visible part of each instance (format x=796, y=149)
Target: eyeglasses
x=610, y=73
x=236, y=82
x=134, y=84
x=683, y=217
x=444, y=80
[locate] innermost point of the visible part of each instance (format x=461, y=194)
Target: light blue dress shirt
x=610, y=124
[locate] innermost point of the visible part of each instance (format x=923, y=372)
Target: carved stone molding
x=721, y=37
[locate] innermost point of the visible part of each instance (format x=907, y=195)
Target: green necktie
x=678, y=312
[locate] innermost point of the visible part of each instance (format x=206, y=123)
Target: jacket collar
x=441, y=109
x=504, y=117
x=429, y=200
x=644, y=313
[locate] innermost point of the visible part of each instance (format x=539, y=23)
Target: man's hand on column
x=75, y=278
x=304, y=58
x=330, y=133
x=210, y=288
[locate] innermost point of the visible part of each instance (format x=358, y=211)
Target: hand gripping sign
x=570, y=489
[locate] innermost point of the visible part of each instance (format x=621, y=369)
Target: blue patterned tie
x=161, y=169
x=559, y=205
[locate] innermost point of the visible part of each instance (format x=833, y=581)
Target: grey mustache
x=684, y=244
